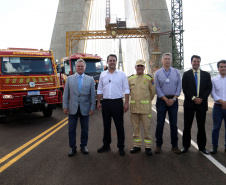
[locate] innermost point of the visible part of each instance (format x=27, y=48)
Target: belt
x=170, y=96
x=219, y=105
x=110, y=100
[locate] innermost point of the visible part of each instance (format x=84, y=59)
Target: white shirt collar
x=218, y=77
x=113, y=72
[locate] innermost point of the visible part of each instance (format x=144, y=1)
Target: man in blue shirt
x=168, y=88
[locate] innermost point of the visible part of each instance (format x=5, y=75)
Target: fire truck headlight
x=52, y=93
x=8, y=97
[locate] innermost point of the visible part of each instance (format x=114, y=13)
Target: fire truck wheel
x=47, y=111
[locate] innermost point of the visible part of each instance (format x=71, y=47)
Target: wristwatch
x=174, y=99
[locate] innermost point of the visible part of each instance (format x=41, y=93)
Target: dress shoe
x=176, y=150
x=104, y=149
x=72, y=152
x=84, y=150
x=213, y=150
x=158, y=150
x=135, y=150
x=204, y=151
x=121, y=152
x=148, y=151
x=184, y=150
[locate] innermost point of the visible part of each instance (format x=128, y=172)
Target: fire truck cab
x=28, y=81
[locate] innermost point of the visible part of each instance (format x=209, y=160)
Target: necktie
x=196, y=82
x=80, y=83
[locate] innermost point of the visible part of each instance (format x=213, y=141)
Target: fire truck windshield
x=92, y=66
x=26, y=65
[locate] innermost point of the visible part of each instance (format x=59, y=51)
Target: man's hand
x=170, y=102
x=126, y=107
x=167, y=101
x=98, y=106
x=198, y=101
x=223, y=104
x=66, y=111
x=91, y=112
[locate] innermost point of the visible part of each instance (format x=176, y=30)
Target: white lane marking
x=214, y=161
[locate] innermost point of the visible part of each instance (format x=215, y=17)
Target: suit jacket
x=72, y=98
x=189, y=89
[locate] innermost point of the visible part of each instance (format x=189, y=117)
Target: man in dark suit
x=197, y=87
x=79, y=101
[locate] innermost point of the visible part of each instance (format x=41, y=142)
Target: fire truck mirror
x=62, y=69
x=59, y=69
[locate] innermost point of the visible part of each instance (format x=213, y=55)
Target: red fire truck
x=28, y=81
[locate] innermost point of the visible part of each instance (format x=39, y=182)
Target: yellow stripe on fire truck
x=27, y=80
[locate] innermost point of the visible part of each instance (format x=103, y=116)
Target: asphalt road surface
x=34, y=150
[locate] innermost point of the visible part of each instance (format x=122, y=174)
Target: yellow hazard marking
x=147, y=141
x=7, y=80
x=40, y=79
x=21, y=81
x=28, y=80
x=144, y=101
x=51, y=79
x=14, y=80
x=148, y=77
x=134, y=76
x=137, y=140
x=8, y=164
x=34, y=79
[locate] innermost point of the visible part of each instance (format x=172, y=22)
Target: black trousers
x=188, y=120
x=113, y=109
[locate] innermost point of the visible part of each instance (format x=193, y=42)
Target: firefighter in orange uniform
x=142, y=91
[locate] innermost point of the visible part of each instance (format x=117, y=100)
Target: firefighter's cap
x=140, y=62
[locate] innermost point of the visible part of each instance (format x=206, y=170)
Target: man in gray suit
x=79, y=101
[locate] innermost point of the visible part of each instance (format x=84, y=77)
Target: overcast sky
x=29, y=23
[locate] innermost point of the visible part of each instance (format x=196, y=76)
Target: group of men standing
x=79, y=101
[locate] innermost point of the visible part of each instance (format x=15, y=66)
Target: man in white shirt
x=219, y=110
x=112, y=84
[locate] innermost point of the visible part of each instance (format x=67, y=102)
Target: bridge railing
x=211, y=68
